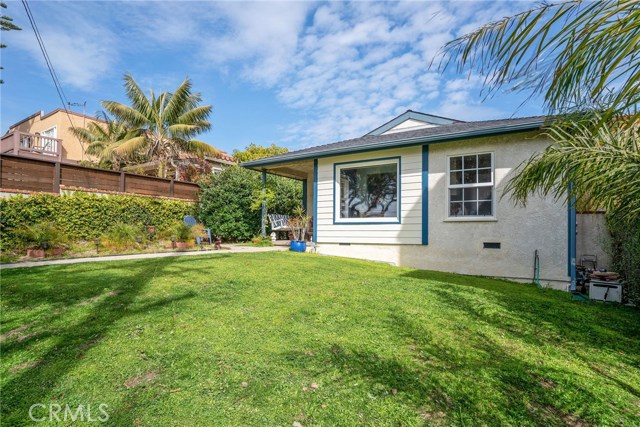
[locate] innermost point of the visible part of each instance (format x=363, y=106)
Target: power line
x=52, y=72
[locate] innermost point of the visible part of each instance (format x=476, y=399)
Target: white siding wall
x=455, y=246
x=407, y=232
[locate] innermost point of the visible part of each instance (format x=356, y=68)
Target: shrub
x=122, y=236
x=625, y=253
x=42, y=235
x=85, y=216
x=261, y=242
x=226, y=202
x=182, y=232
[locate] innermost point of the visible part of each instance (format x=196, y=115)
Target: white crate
x=605, y=291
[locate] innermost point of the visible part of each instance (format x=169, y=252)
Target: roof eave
x=522, y=127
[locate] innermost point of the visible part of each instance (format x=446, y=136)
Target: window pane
x=470, y=194
x=455, y=194
x=484, y=193
x=455, y=209
x=470, y=162
x=455, y=163
x=369, y=191
x=470, y=177
x=455, y=178
x=484, y=160
x=484, y=175
x=471, y=208
x=484, y=208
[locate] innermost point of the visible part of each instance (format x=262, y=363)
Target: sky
x=295, y=74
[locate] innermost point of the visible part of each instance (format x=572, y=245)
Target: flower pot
x=298, y=245
x=57, y=251
x=35, y=253
x=182, y=245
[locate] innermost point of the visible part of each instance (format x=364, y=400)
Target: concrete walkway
x=233, y=249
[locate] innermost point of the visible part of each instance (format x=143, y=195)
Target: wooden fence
x=29, y=174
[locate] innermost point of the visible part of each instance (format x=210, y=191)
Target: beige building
x=48, y=135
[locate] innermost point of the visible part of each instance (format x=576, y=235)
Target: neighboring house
x=425, y=191
x=187, y=167
x=48, y=136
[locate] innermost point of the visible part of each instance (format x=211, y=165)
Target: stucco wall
x=454, y=245
x=592, y=238
x=71, y=147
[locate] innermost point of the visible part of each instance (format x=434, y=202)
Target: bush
x=226, y=202
x=43, y=235
x=625, y=253
x=122, y=236
x=85, y=216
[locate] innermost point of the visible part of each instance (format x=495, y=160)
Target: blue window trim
x=571, y=225
x=314, y=238
x=399, y=217
x=304, y=194
x=425, y=194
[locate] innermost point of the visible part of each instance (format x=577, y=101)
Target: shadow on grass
x=33, y=384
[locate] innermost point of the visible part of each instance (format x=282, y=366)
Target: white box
x=605, y=291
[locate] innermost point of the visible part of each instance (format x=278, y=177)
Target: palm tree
x=581, y=57
x=165, y=125
x=101, y=140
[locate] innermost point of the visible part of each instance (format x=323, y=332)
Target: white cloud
x=81, y=53
x=355, y=64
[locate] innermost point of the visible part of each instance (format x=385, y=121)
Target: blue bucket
x=298, y=246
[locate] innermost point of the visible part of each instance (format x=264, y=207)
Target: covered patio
x=304, y=171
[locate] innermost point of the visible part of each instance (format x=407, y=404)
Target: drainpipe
x=572, y=240
x=264, y=204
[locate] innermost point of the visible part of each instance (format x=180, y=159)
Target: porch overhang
x=300, y=170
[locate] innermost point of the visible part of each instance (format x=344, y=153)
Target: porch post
x=304, y=195
x=264, y=204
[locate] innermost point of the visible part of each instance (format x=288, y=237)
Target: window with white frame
x=471, y=185
x=367, y=191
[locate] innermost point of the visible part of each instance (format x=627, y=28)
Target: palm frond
x=177, y=101
x=574, y=53
x=131, y=146
x=137, y=97
x=198, y=148
x=130, y=116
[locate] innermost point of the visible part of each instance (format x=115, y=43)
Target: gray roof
x=443, y=133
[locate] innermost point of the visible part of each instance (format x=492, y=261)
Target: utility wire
x=52, y=72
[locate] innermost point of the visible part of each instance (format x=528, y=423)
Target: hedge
x=85, y=215
x=225, y=201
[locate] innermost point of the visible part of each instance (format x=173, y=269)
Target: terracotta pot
x=182, y=245
x=57, y=251
x=35, y=253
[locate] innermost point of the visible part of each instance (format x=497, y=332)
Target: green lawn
x=282, y=339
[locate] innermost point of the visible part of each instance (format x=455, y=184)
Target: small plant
x=298, y=224
x=43, y=235
x=123, y=236
x=261, y=241
x=182, y=232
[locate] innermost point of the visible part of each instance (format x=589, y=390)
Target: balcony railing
x=31, y=145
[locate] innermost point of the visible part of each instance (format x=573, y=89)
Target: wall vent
x=491, y=245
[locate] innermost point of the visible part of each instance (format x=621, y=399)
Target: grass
x=296, y=339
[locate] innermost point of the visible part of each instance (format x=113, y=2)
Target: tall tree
x=254, y=152
x=165, y=125
x=103, y=139
x=583, y=58
x=6, y=24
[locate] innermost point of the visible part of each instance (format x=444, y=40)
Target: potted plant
x=183, y=236
x=41, y=239
x=298, y=224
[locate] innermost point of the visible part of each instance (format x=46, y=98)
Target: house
x=425, y=191
x=48, y=136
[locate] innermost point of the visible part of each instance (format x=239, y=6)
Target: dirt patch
x=140, y=379
x=25, y=365
x=546, y=384
x=98, y=298
x=547, y=413
x=17, y=332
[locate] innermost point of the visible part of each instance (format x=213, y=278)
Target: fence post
x=56, y=177
x=171, y=186
x=122, y=182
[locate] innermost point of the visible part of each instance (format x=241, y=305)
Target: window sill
x=472, y=219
